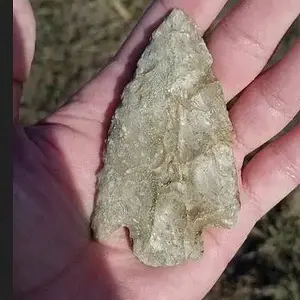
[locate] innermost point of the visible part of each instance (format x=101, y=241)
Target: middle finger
x=243, y=42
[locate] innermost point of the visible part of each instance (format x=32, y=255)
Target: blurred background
x=75, y=39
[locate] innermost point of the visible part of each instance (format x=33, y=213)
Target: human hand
x=55, y=161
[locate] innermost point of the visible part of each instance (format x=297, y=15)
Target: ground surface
x=74, y=40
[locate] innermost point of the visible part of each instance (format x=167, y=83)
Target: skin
x=55, y=161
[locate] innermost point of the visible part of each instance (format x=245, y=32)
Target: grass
x=75, y=39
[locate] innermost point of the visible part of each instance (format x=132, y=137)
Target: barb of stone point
x=169, y=170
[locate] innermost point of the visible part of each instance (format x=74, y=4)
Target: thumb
x=23, y=48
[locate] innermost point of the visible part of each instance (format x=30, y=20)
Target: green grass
x=75, y=39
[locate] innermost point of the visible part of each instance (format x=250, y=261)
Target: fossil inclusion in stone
x=168, y=169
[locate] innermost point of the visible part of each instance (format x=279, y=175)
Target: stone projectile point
x=168, y=170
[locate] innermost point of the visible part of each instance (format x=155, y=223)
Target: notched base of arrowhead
x=169, y=170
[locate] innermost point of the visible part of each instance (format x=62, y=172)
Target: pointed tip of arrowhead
x=178, y=15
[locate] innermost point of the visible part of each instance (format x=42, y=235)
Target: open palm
x=55, y=161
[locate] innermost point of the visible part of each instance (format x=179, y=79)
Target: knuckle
x=245, y=41
x=255, y=205
x=287, y=164
x=273, y=98
x=240, y=144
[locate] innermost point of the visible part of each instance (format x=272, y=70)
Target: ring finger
x=267, y=105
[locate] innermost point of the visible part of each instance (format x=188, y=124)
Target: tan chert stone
x=169, y=170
